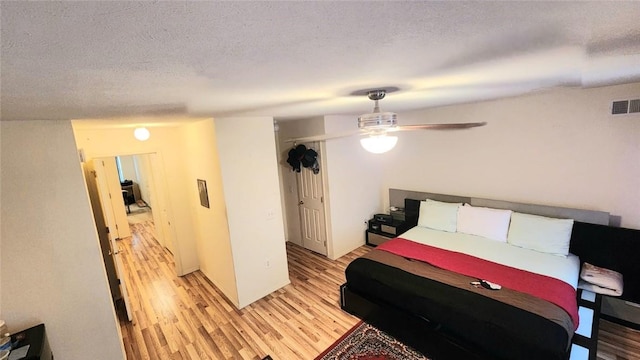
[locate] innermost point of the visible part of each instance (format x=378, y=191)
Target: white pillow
x=486, y=222
x=541, y=233
x=438, y=215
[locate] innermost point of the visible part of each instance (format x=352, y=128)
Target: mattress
x=562, y=268
x=507, y=324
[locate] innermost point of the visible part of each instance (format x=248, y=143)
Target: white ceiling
x=69, y=60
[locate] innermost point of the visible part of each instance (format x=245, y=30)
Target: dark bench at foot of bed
x=420, y=334
x=433, y=341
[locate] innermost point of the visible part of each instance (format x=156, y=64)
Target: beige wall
x=169, y=144
x=52, y=269
x=145, y=177
x=0, y=226
x=128, y=166
x=247, y=154
x=554, y=148
x=354, y=184
x=211, y=228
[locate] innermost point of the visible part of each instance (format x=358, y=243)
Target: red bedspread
x=553, y=290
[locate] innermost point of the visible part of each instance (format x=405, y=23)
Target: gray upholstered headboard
x=396, y=198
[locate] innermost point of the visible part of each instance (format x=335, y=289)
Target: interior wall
x=51, y=263
x=144, y=174
x=354, y=181
x=248, y=162
x=289, y=184
x=559, y=148
x=128, y=167
x=167, y=142
x=0, y=227
x=211, y=228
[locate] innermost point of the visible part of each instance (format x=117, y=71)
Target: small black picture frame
x=204, y=195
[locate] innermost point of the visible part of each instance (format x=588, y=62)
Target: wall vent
x=621, y=107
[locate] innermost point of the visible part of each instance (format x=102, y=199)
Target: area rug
x=365, y=342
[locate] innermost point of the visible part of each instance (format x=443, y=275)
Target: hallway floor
x=189, y=318
x=139, y=214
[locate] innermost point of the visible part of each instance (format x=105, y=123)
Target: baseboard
x=190, y=270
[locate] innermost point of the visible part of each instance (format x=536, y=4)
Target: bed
x=432, y=275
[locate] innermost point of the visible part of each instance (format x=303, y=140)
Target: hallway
x=188, y=318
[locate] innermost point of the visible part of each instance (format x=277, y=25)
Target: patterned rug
x=365, y=342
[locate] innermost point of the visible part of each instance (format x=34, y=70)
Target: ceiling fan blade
x=452, y=126
x=324, y=137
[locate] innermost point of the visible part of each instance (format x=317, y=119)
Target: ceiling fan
x=376, y=125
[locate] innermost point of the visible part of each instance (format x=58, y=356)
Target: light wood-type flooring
x=616, y=342
x=188, y=318
x=138, y=214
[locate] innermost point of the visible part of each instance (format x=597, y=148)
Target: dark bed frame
x=592, y=240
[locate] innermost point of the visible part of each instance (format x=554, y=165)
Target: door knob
x=301, y=202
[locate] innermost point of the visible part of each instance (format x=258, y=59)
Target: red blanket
x=553, y=290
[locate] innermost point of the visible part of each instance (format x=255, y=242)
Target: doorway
x=106, y=204
x=145, y=195
x=311, y=206
x=121, y=190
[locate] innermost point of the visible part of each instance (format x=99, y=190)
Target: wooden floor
x=188, y=318
x=616, y=342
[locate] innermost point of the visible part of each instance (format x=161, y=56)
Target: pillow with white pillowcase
x=486, y=222
x=438, y=215
x=541, y=233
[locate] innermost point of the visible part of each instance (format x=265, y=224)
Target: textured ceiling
x=69, y=60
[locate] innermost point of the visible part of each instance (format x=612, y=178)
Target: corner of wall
x=252, y=196
x=212, y=238
x=353, y=181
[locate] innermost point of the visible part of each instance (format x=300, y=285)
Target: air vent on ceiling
x=625, y=107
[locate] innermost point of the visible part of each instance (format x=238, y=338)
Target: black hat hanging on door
x=300, y=155
x=310, y=160
x=295, y=155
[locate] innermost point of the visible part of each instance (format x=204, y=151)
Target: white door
x=161, y=217
x=311, y=206
x=111, y=196
x=101, y=227
x=98, y=171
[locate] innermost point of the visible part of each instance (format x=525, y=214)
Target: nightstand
x=375, y=238
x=379, y=232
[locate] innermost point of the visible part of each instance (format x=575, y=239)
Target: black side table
x=34, y=337
x=379, y=232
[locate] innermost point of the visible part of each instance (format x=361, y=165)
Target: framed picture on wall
x=202, y=190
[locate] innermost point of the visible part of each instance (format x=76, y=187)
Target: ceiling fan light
x=379, y=144
x=141, y=133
